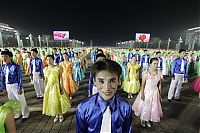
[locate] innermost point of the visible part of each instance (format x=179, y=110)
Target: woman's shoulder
x=4, y=110
x=160, y=74
x=145, y=74
x=58, y=68
x=13, y=105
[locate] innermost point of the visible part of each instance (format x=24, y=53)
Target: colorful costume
x=14, y=105
x=68, y=82
x=150, y=108
x=124, y=68
x=131, y=83
x=54, y=103
x=196, y=84
x=89, y=115
x=77, y=70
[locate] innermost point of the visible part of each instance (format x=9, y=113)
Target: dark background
x=104, y=22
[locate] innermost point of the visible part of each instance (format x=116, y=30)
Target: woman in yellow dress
x=68, y=82
x=7, y=111
x=131, y=84
x=56, y=102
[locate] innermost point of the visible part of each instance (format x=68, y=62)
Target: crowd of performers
x=56, y=73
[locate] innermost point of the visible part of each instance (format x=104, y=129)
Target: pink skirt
x=196, y=85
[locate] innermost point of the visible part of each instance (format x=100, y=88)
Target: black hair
x=77, y=53
x=106, y=65
x=50, y=56
x=153, y=59
x=34, y=50
x=133, y=56
x=100, y=55
x=158, y=52
x=10, y=54
x=6, y=49
x=99, y=50
x=182, y=50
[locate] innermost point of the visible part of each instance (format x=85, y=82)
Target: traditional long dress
x=150, y=108
x=131, y=84
x=13, y=105
x=124, y=68
x=77, y=70
x=196, y=84
x=28, y=68
x=67, y=76
x=83, y=63
x=44, y=62
x=54, y=103
x=19, y=59
x=191, y=66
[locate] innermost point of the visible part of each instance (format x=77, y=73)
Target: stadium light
x=193, y=28
x=39, y=38
x=168, y=42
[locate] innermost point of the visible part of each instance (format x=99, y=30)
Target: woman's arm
x=10, y=122
x=142, y=87
x=61, y=80
x=159, y=86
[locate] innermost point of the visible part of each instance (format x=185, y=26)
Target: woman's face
x=75, y=55
x=133, y=59
x=65, y=57
x=154, y=64
x=50, y=61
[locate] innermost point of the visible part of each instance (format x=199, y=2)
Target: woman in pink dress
x=147, y=105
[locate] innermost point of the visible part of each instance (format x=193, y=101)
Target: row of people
x=11, y=75
x=106, y=75
x=147, y=105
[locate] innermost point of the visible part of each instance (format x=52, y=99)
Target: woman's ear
x=120, y=82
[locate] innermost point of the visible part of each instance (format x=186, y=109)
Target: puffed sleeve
x=14, y=105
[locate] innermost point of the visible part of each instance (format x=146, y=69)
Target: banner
x=61, y=35
x=142, y=37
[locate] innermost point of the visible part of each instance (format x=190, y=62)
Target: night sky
x=103, y=21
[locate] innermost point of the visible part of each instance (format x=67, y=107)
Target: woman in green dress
x=7, y=121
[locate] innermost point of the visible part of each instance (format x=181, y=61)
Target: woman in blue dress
x=77, y=69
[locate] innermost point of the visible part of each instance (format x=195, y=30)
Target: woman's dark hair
x=99, y=50
x=153, y=59
x=106, y=65
x=50, y=56
x=158, y=52
x=133, y=56
x=76, y=53
x=100, y=55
